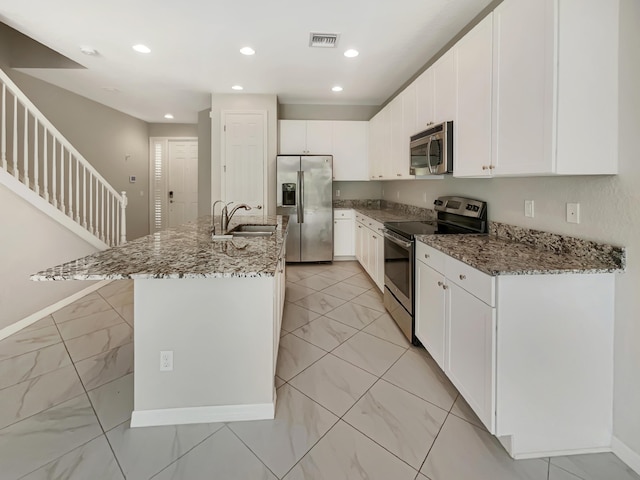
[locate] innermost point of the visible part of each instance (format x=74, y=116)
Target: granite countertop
x=183, y=252
x=390, y=215
x=386, y=211
x=496, y=255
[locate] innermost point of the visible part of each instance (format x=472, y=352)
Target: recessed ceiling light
x=337, y=88
x=88, y=50
x=141, y=48
x=351, y=53
x=168, y=116
x=237, y=87
x=247, y=51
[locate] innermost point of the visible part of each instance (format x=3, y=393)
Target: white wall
x=609, y=213
x=31, y=242
x=269, y=103
x=357, y=190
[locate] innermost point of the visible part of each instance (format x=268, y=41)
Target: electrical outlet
x=573, y=212
x=166, y=361
x=424, y=197
x=337, y=193
x=398, y=194
x=528, y=208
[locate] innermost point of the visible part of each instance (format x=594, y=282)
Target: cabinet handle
x=398, y=174
x=374, y=237
x=335, y=221
x=445, y=287
x=426, y=255
x=359, y=226
x=484, y=167
x=440, y=284
x=462, y=277
x=379, y=176
x=491, y=167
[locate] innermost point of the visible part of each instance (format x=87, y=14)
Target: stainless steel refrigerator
x=304, y=193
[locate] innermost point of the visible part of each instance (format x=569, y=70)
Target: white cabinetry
x=347, y=141
x=472, y=139
x=369, y=247
x=278, y=304
x=424, y=100
x=444, y=81
x=379, y=143
x=555, y=84
x=510, y=345
x=343, y=233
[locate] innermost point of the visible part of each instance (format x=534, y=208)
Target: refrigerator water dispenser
x=288, y=194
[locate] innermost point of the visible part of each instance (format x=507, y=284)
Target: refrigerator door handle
x=301, y=199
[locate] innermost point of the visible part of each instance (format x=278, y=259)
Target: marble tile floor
x=355, y=401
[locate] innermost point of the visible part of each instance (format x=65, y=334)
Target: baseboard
x=211, y=414
x=34, y=317
x=344, y=258
x=624, y=453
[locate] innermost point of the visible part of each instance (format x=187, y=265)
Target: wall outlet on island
x=166, y=361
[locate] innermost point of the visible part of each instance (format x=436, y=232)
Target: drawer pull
x=462, y=277
x=445, y=287
x=426, y=255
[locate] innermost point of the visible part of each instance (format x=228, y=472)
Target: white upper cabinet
x=347, y=141
x=424, y=100
x=474, y=67
x=393, y=165
x=306, y=136
x=554, y=86
x=444, y=81
x=380, y=144
x=351, y=150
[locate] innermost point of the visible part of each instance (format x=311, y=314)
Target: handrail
x=91, y=202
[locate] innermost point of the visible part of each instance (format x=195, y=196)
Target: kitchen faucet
x=227, y=216
x=213, y=211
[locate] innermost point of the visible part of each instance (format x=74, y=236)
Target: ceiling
x=195, y=48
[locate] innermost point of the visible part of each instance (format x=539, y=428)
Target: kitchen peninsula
x=213, y=306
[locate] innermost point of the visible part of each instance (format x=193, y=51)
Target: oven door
x=398, y=269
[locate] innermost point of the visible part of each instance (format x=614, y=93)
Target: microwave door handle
x=431, y=169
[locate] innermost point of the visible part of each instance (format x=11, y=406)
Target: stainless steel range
x=456, y=215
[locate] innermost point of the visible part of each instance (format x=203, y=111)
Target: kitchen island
x=214, y=307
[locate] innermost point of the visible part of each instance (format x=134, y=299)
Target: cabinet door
x=358, y=233
x=293, y=136
x=470, y=361
x=350, y=150
x=391, y=170
x=408, y=129
x=444, y=80
x=381, y=144
x=430, y=311
x=424, y=100
x=522, y=87
x=474, y=69
x=377, y=254
x=343, y=242
x=375, y=125
x=320, y=137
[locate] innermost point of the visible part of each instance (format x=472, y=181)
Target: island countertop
x=186, y=251
x=495, y=255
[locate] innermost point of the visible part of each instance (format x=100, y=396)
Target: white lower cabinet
x=278, y=301
x=343, y=233
x=531, y=354
x=369, y=248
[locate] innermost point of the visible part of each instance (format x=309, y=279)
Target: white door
x=182, y=182
x=173, y=167
x=244, y=159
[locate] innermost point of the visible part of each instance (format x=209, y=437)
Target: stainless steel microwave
x=432, y=150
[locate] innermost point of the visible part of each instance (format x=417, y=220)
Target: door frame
x=164, y=141
x=265, y=150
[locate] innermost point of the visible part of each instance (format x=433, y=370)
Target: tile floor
x=355, y=400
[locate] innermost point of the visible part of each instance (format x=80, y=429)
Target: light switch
x=528, y=208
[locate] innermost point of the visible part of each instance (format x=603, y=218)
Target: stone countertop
x=390, y=215
x=183, y=252
x=500, y=256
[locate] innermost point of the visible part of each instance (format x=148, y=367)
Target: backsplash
x=560, y=244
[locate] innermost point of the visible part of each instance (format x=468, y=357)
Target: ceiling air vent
x=323, y=40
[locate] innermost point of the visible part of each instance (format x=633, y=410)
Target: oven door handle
x=397, y=241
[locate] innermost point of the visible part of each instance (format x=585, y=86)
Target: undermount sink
x=253, y=230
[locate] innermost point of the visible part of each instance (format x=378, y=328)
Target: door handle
x=170, y=196
x=258, y=207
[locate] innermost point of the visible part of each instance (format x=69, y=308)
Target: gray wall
x=116, y=144
x=269, y=103
x=357, y=190
x=609, y=213
x=204, y=162
x=326, y=112
x=173, y=130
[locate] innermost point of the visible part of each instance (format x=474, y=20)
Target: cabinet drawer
x=373, y=225
x=473, y=281
x=341, y=213
x=431, y=257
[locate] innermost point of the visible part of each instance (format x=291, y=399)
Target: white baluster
x=62, y=208
x=77, y=190
x=91, y=203
x=4, y=127
x=54, y=180
x=25, y=159
x=70, y=185
x=36, y=182
x=45, y=163
x=15, y=136
x=112, y=211
x=84, y=196
x=123, y=219
x=102, y=208
x=118, y=214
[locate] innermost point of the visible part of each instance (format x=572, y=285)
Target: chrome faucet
x=227, y=216
x=213, y=211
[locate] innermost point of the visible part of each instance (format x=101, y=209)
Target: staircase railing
x=41, y=158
